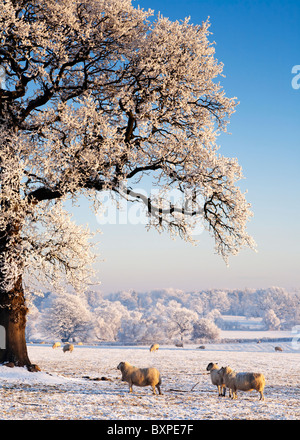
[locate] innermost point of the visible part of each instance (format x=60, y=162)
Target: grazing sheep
x=56, y=344
x=243, y=381
x=278, y=348
x=140, y=377
x=68, y=347
x=216, y=378
x=154, y=347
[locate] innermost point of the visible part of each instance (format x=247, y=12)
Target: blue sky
x=259, y=43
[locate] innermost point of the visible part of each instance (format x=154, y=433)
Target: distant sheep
x=140, y=377
x=68, y=347
x=56, y=344
x=154, y=347
x=278, y=348
x=216, y=377
x=243, y=381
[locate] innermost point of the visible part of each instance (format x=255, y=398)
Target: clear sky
x=259, y=43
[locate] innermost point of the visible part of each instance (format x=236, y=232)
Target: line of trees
x=166, y=316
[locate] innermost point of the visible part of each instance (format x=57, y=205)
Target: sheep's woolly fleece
x=63, y=391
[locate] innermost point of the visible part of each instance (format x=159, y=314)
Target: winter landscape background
x=166, y=316
x=222, y=326
x=240, y=328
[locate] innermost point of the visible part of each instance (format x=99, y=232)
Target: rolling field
x=61, y=390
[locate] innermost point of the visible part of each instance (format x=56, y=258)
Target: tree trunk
x=181, y=337
x=13, y=312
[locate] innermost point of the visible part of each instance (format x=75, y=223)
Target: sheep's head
x=211, y=365
x=120, y=366
x=225, y=370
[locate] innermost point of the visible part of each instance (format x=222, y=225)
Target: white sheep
x=56, y=344
x=243, y=381
x=140, y=377
x=216, y=378
x=154, y=347
x=68, y=347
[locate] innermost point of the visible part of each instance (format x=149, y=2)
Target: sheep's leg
x=223, y=391
x=159, y=390
x=153, y=389
x=220, y=390
x=130, y=387
x=262, y=397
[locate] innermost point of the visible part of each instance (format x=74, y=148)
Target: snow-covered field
x=59, y=391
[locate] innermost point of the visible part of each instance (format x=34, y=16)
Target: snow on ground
x=255, y=334
x=60, y=392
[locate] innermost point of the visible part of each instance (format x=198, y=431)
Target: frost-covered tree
x=133, y=328
x=271, y=321
x=205, y=329
x=214, y=299
x=93, y=96
x=66, y=318
x=214, y=315
x=107, y=320
x=179, y=320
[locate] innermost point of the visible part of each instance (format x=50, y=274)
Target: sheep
x=68, y=347
x=154, y=347
x=243, y=381
x=56, y=344
x=278, y=348
x=140, y=376
x=216, y=378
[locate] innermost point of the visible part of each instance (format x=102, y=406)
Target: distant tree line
x=163, y=316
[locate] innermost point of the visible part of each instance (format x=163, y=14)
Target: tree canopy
x=96, y=94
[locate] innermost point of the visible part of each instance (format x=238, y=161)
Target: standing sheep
x=68, y=347
x=216, y=377
x=243, y=381
x=154, y=347
x=140, y=377
x=56, y=344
